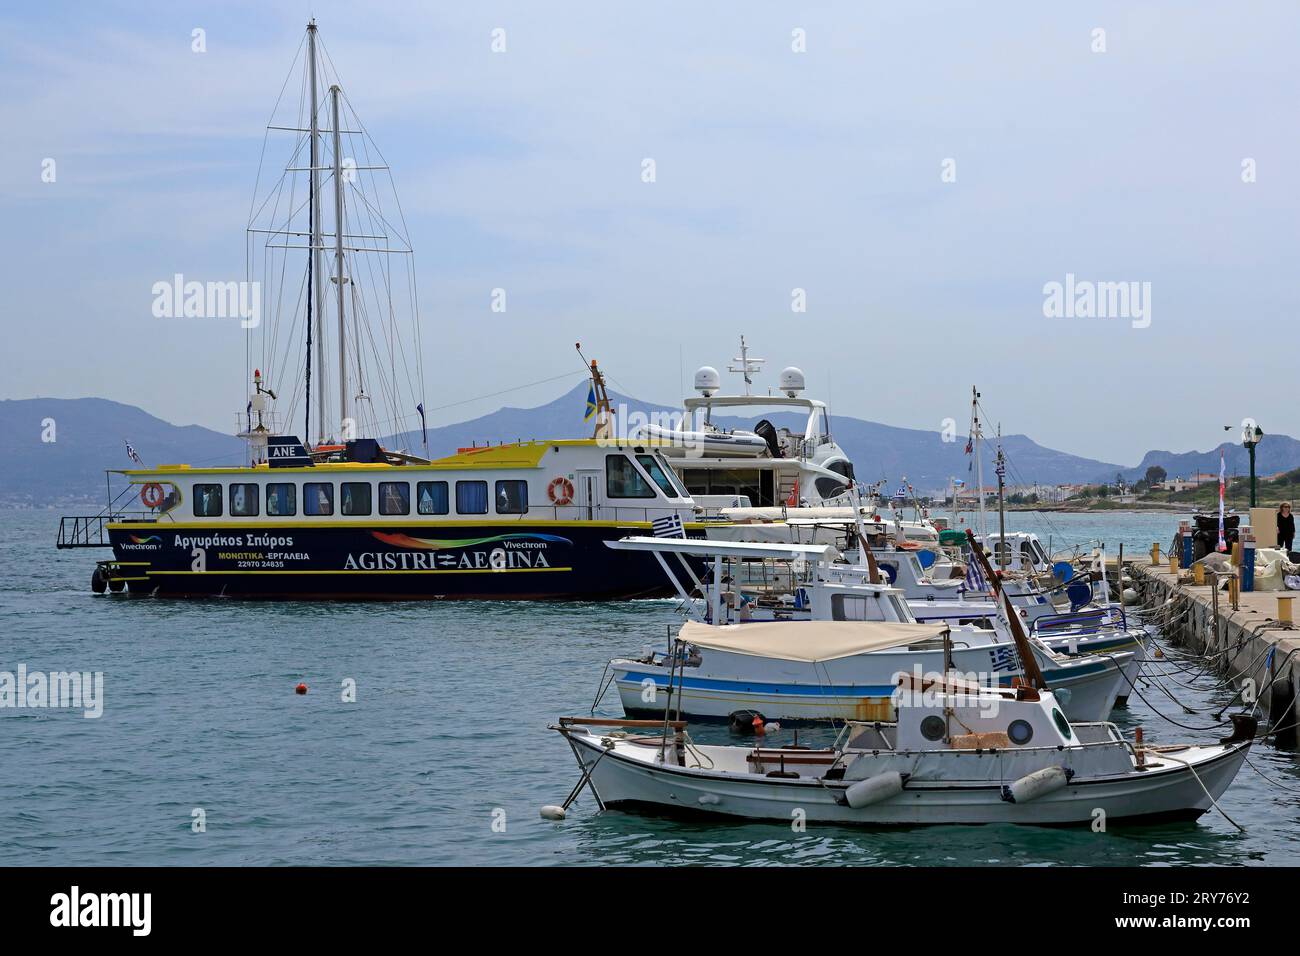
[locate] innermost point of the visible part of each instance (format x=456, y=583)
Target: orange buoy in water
x=300, y=689
x=758, y=725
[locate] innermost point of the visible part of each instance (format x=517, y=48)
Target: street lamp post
x=1250, y=436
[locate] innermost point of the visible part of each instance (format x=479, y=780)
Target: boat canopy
x=810, y=641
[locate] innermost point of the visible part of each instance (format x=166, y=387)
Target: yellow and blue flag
x=591, y=403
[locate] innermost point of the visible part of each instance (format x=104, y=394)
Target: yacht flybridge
x=336, y=514
x=755, y=468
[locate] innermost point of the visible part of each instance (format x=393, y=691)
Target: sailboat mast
x=979, y=463
x=315, y=230
x=338, y=258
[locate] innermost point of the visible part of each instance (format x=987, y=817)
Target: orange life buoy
x=152, y=495
x=560, y=491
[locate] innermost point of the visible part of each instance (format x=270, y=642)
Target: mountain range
x=58, y=449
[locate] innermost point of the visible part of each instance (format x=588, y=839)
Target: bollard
x=1185, y=535
x=1284, y=609
x=1234, y=592
x=1155, y=553
x=1248, y=561
x=1173, y=564
x=1198, y=574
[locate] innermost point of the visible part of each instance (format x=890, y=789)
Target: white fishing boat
x=958, y=754
x=838, y=670
x=840, y=664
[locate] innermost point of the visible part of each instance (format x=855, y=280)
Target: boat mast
x=315, y=242
x=1001, y=469
x=979, y=465
x=338, y=259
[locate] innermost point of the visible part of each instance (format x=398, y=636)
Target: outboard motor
x=745, y=721
x=767, y=431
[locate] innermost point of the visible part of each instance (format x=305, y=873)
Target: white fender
x=1037, y=784
x=874, y=789
x=552, y=812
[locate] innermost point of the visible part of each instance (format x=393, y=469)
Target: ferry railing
x=628, y=513
x=91, y=531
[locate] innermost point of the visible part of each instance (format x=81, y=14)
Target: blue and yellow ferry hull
x=555, y=560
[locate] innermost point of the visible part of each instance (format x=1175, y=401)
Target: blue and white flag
x=130, y=453
x=975, y=576
x=669, y=527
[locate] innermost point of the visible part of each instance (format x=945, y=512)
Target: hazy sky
x=775, y=170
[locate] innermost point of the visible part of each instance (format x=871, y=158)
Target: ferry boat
x=526, y=520
x=340, y=516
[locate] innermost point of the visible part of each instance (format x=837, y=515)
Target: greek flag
x=669, y=527
x=975, y=576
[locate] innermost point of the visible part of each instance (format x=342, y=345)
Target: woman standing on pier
x=1285, y=527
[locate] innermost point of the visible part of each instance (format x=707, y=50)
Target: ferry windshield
x=654, y=471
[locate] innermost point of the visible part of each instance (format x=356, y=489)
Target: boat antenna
x=604, y=412
x=747, y=367
x=975, y=436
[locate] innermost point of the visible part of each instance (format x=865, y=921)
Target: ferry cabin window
x=471, y=497
x=394, y=497
x=207, y=501
x=317, y=498
x=355, y=498
x=281, y=500
x=622, y=480
x=243, y=499
x=511, y=497
x=431, y=497
x=657, y=475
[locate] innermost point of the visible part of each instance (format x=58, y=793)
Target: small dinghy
x=958, y=754
x=708, y=442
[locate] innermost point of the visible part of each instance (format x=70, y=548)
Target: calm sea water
x=447, y=736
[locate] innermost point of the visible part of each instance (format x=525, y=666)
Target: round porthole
x=933, y=728
x=1062, y=724
x=1020, y=732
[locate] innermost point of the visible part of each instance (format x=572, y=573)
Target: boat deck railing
x=85, y=531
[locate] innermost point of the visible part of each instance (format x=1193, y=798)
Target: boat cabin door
x=587, y=494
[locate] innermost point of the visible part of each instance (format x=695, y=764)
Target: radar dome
x=791, y=381
x=707, y=381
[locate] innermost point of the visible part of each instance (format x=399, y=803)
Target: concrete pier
x=1247, y=644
